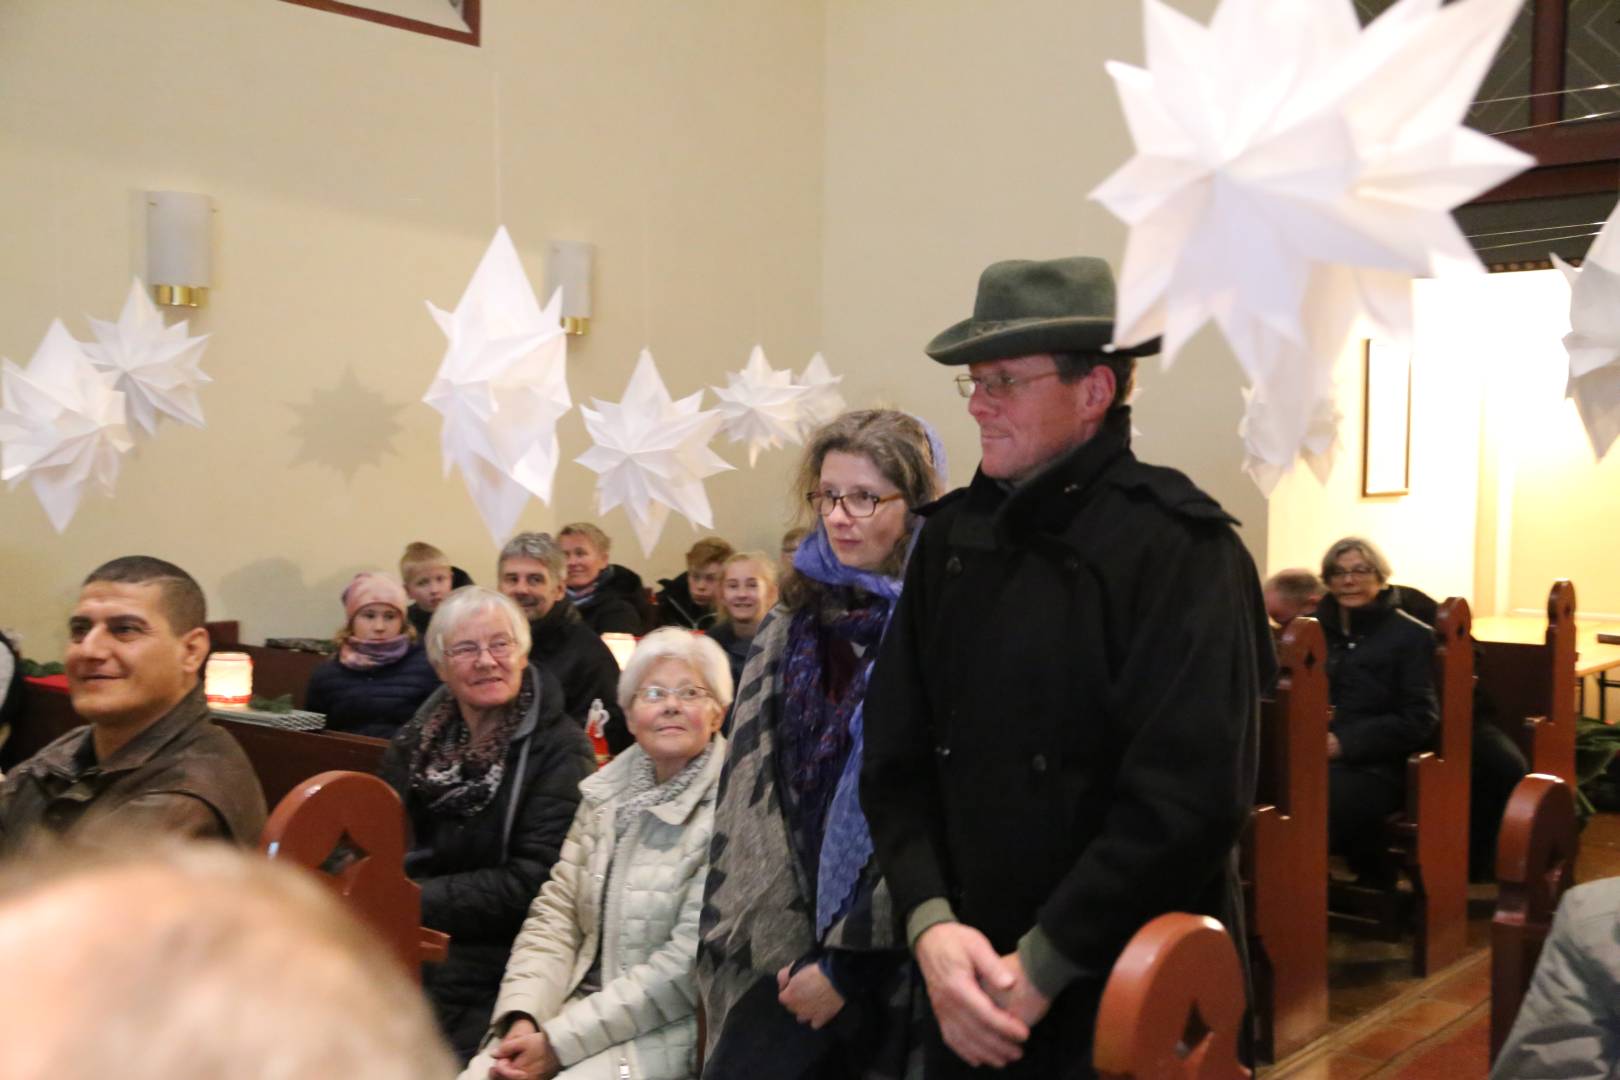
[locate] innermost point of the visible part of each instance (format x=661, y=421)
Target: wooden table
x=1593, y=658
x=1591, y=655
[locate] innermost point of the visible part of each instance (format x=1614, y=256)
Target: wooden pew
x=1535, y=865
x=1535, y=685
x=1173, y=1006
x=365, y=813
x=281, y=759
x=1430, y=837
x=1285, y=859
x=1435, y=825
x=280, y=671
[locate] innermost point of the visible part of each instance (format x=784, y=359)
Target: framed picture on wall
x=1386, y=445
x=453, y=20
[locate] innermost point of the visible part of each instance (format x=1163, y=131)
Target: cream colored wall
x=1427, y=534
x=1506, y=496
x=1560, y=512
x=357, y=171
x=958, y=133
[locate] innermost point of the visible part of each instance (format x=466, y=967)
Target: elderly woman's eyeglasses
x=686, y=695
x=996, y=386
x=1360, y=573
x=465, y=652
x=857, y=504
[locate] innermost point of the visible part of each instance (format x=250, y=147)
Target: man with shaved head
x=150, y=758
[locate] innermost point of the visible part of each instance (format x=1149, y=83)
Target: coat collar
x=72, y=757
x=604, y=785
x=997, y=512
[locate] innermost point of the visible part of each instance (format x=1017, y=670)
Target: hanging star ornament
x=762, y=407
x=651, y=454
x=1289, y=161
x=501, y=387
x=1593, y=340
x=157, y=366
x=822, y=401
x=62, y=425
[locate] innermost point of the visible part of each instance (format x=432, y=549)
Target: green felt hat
x=1026, y=306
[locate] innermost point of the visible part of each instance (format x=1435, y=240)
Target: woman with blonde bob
x=802, y=964
x=599, y=983
x=489, y=771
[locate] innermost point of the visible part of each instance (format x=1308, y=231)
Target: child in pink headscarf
x=381, y=672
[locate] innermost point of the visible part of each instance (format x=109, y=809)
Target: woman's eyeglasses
x=1360, y=573
x=686, y=695
x=857, y=504
x=465, y=652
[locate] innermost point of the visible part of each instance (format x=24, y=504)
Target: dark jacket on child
x=374, y=701
x=480, y=873
x=677, y=608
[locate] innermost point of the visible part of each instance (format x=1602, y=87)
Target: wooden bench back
x=1534, y=688
x=1437, y=796
x=1535, y=866
x=1285, y=861
x=364, y=813
x=1173, y=1006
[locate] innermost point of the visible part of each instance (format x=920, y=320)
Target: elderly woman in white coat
x=599, y=983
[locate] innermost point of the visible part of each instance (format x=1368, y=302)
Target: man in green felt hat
x=1060, y=734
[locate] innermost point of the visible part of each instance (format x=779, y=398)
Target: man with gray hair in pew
x=150, y=759
x=195, y=962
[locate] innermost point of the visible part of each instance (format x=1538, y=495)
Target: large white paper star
x=502, y=387
x=156, y=365
x=1593, y=340
x=651, y=454
x=762, y=406
x=1289, y=160
x=62, y=425
x=822, y=402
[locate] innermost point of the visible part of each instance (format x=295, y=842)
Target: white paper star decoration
x=62, y=425
x=762, y=407
x=1593, y=340
x=822, y=402
x=156, y=365
x=651, y=454
x=1287, y=162
x=502, y=386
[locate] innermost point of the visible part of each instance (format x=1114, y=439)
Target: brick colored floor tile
x=1429, y=1016
x=1468, y=987
x=1461, y=1055
x=1386, y=1041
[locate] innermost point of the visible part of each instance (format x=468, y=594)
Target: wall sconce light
x=621, y=646
x=568, y=267
x=179, y=264
x=228, y=678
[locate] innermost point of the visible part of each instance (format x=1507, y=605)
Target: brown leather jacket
x=181, y=776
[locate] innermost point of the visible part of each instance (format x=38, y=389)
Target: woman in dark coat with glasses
x=1381, y=684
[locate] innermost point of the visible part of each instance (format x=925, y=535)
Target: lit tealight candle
x=621, y=646
x=228, y=679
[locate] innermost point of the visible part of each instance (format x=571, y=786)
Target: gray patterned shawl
x=758, y=910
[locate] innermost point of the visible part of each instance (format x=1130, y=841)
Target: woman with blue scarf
x=802, y=962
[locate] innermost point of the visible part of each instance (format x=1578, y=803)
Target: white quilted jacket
x=642, y=1024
